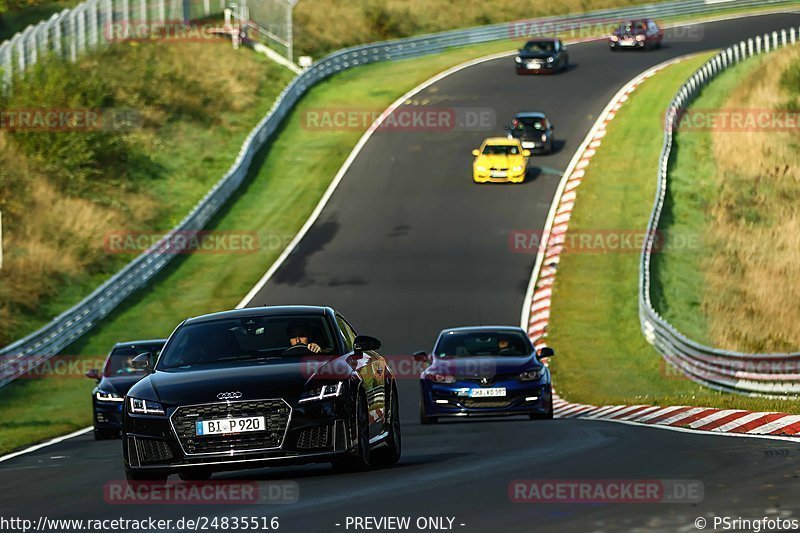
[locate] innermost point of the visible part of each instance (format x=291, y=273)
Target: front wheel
x=106, y=434
x=547, y=415
x=390, y=454
x=359, y=458
x=424, y=419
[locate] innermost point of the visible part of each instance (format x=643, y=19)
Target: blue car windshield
x=483, y=343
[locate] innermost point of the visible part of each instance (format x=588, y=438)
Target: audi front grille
x=276, y=412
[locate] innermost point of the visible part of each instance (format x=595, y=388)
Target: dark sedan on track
x=636, y=34
x=534, y=131
x=484, y=371
x=261, y=387
x=542, y=55
x=113, y=382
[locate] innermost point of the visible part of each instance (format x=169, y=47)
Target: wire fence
x=769, y=374
x=25, y=354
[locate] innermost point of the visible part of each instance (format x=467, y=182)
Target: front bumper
x=487, y=177
x=535, y=67
x=107, y=415
x=314, y=432
x=522, y=398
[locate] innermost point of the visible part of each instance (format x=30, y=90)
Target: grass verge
x=603, y=358
x=63, y=192
x=737, y=190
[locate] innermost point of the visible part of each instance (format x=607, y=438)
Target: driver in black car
x=300, y=335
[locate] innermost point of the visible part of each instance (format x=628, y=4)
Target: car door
x=371, y=367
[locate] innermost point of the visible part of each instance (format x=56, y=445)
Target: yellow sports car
x=500, y=160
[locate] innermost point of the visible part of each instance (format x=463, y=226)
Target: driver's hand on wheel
x=314, y=347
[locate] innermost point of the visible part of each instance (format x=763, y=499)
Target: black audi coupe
x=257, y=387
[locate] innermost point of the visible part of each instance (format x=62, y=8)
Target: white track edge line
x=45, y=444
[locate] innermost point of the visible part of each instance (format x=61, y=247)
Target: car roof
x=530, y=114
x=501, y=141
x=484, y=329
x=269, y=310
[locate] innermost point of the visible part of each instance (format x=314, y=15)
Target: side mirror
x=526, y=153
x=365, y=343
x=545, y=352
x=93, y=374
x=476, y=152
x=506, y=127
x=552, y=126
x=142, y=361
x=421, y=357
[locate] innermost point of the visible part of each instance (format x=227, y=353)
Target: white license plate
x=224, y=426
x=627, y=42
x=499, y=174
x=487, y=393
x=528, y=145
x=534, y=65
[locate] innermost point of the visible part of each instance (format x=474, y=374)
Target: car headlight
x=614, y=38
x=517, y=168
x=551, y=59
x=146, y=407
x=330, y=390
x=480, y=168
x=518, y=59
x=440, y=378
x=532, y=375
x=640, y=37
x=104, y=396
x=544, y=137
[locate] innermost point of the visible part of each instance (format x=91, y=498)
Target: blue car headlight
x=533, y=375
x=145, y=407
x=107, y=396
x=330, y=390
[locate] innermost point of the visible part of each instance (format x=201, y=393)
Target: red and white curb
x=536, y=316
x=685, y=417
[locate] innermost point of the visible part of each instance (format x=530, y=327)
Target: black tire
x=424, y=419
x=195, y=475
x=106, y=434
x=358, y=460
x=145, y=480
x=390, y=453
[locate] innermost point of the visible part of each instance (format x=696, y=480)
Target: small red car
x=642, y=33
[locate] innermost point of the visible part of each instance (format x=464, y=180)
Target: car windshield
x=248, y=339
x=539, y=46
x=528, y=123
x=119, y=363
x=632, y=27
x=501, y=149
x=487, y=343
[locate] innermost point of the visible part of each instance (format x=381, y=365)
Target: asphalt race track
x=408, y=245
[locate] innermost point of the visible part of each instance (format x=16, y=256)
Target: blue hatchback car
x=484, y=371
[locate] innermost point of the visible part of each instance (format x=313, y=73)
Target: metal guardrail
x=769, y=374
x=32, y=350
x=91, y=24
